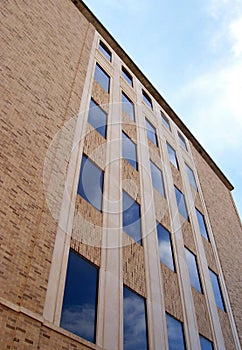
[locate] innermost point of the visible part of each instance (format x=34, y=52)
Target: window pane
x=127, y=76
x=151, y=133
x=157, y=178
x=172, y=155
x=131, y=217
x=202, y=225
x=182, y=141
x=191, y=177
x=104, y=49
x=129, y=150
x=175, y=333
x=205, y=343
x=181, y=203
x=165, y=248
x=216, y=290
x=102, y=78
x=90, y=184
x=147, y=99
x=135, y=329
x=97, y=118
x=80, y=298
x=127, y=106
x=165, y=121
x=193, y=270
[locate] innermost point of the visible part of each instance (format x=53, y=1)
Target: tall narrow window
x=165, y=247
x=105, y=50
x=182, y=141
x=97, y=118
x=181, y=204
x=135, y=327
x=175, y=333
x=131, y=217
x=157, y=178
x=147, y=99
x=217, y=290
x=202, y=225
x=193, y=270
x=172, y=155
x=79, y=308
x=90, y=185
x=129, y=150
x=191, y=177
x=165, y=121
x=151, y=132
x=127, y=106
x=205, y=343
x=127, y=76
x=102, y=77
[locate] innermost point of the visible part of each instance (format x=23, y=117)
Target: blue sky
x=191, y=51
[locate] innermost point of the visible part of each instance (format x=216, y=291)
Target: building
x=117, y=228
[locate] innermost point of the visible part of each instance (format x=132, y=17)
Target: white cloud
x=236, y=35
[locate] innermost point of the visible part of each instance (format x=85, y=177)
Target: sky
x=191, y=51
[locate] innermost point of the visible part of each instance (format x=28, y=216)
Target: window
x=135, y=325
x=181, y=203
x=191, y=177
x=193, y=270
x=79, y=309
x=97, y=118
x=102, y=77
x=172, y=155
x=127, y=76
x=104, y=49
x=147, y=99
x=202, y=225
x=127, y=106
x=165, y=247
x=151, y=132
x=131, y=217
x=182, y=141
x=129, y=150
x=175, y=333
x=157, y=178
x=217, y=290
x=165, y=121
x=205, y=343
x=90, y=185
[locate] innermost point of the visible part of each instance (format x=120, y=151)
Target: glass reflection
x=102, y=78
x=172, y=155
x=131, y=217
x=202, y=225
x=216, y=290
x=129, y=150
x=135, y=330
x=151, y=133
x=103, y=48
x=181, y=203
x=127, y=106
x=157, y=178
x=165, y=121
x=90, y=184
x=191, y=177
x=97, y=118
x=175, y=333
x=205, y=343
x=80, y=298
x=193, y=270
x=127, y=76
x=165, y=249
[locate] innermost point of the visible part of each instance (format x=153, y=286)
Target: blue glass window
x=135, y=328
x=165, y=121
x=151, y=132
x=205, y=343
x=127, y=76
x=147, y=99
x=217, y=290
x=202, y=225
x=90, y=185
x=175, y=333
x=104, y=49
x=193, y=270
x=127, y=106
x=191, y=177
x=182, y=141
x=102, y=77
x=172, y=155
x=79, y=310
x=97, y=118
x=131, y=217
x=165, y=247
x=129, y=150
x=181, y=204
x=157, y=178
